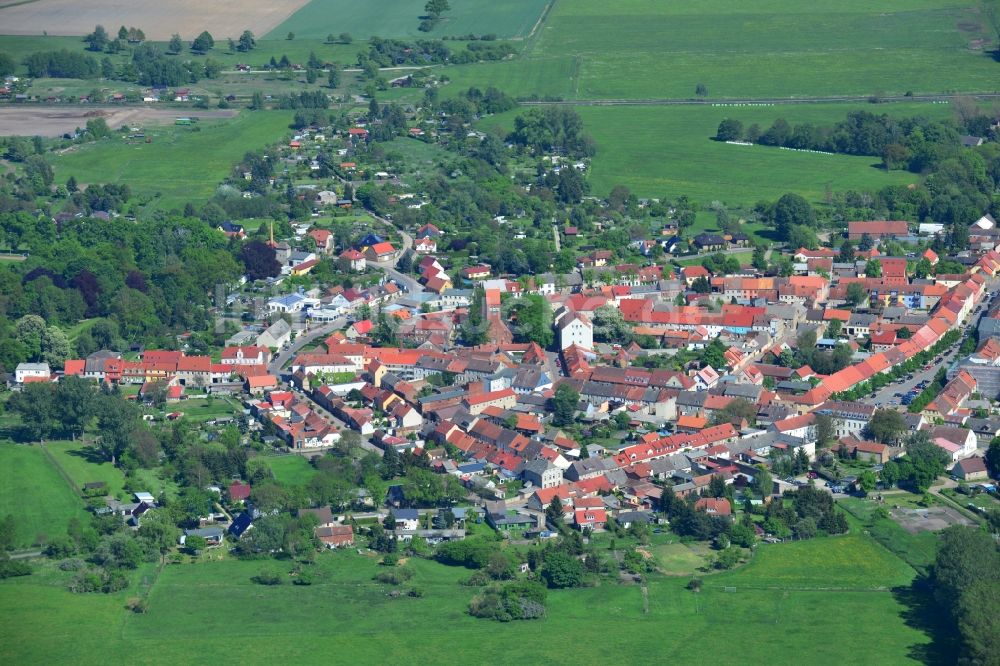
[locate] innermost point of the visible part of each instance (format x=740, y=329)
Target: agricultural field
x=55, y=121
x=159, y=20
x=33, y=491
x=346, y=611
x=400, y=18
x=641, y=49
x=180, y=164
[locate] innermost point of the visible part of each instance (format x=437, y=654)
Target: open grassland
x=159, y=20
x=847, y=562
x=346, y=616
x=643, y=49
x=668, y=151
x=181, y=164
x=84, y=464
x=31, y=489
x=210, y=408
x=401, y=18
x=291, y=470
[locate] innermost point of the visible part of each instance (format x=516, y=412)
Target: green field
x=667, y=151
x=400, y=18
x=291, y=470
x=790, y=48
x=83, y=464
x=348, y=618
x=181, y=164
x=205, y=409
x=31, y=489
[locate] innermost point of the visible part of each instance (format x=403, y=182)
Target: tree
x=203, y=42
x=866, y=481
x=993, y=458
x=345, y=38
x=846, y=255
x=561, y=570
x=35, y=404
x=7, y=65
x=713, y=355
x=701, y=90
x=195, y=543
x=533, y=316
x=791, y=210
x=923, y=268
x=290, y=36
x=610, y=325
x=333, y=76
x=563, y=405
x=176, y=44
x=824, y=430
x=97, y=40
x=966, y=584
x=856, y=294
x=730, y=129
x=738, y=410
x=75, y=403
x=435, y=8
x=259, y=260
x=762, y=484
x=886, y=426
x=873, y=268
x=247, y=42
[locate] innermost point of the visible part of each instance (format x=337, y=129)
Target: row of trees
x=966, y=585
x=908, y=143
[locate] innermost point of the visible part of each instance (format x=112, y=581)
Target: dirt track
x=159, y=19
x=54, y=121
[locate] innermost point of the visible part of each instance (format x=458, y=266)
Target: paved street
x=886, y=395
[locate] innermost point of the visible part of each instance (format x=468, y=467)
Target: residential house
x=335, y=536
x=971, y=469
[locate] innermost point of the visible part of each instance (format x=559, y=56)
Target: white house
x=575, y=329
x=276, y=335
x=245, y=356
x=32, y=372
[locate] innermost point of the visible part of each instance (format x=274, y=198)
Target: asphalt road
x=886, y=395
x=283, y=357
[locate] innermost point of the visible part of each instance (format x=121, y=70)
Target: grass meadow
x=291, y=470
x=31, y=489
x=400, y=18
x=643, y=49
x=83, y=464
x=181, y=164
x=346, y=617
x=667, y=151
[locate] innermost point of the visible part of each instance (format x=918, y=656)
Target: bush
x=394, y=576
x=514, y=601
x=694, y=585
x=137, y=605
x=415, y=592
x=72, y=564
x=265, y=577
x=11, y=568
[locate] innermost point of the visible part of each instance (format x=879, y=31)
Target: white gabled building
x=574, y=329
